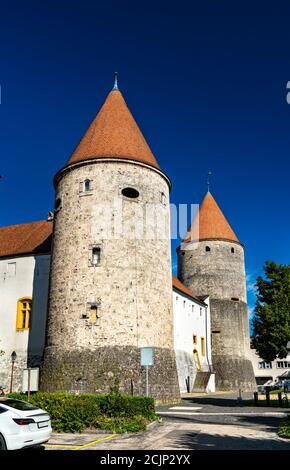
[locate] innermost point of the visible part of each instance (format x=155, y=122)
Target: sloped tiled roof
x=177, y=284
x=33, y=237
x=211, y=224
x=114, y=133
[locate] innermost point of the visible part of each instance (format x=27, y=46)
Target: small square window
x=92, y=313
x=87, y=185
x=94, y=255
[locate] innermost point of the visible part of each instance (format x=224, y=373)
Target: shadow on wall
x=36, y=339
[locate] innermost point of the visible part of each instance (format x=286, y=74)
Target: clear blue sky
x=206, y=81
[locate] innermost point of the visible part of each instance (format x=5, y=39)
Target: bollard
x=280, y=399
x=268, y=398
x=256, y=398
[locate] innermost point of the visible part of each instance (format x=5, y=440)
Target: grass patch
x=113, y=412
x=275, y=392
x=284, y=428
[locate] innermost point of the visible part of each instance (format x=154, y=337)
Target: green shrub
x=114, y=412
x=275, y=392
x=120, y=425
x=117, y=404
x=284, y=428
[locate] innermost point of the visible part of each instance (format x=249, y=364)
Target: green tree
x=271, y=324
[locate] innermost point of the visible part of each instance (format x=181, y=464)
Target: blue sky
x=206, y=83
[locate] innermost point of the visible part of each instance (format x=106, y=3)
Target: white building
x=24, y=274
x=24, y=281
x=274, y=371
x=192, y=340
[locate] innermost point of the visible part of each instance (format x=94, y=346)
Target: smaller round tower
x=211, y=262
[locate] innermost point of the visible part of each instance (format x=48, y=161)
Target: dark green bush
x=114, y=412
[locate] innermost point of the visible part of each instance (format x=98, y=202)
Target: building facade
x=110, y=287
x=24, y=272
x=93, y=286
x=192, y=340
x=270, y=372
x=211, y=262
x=23, y=313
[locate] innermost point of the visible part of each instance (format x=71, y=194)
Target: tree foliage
x=271, y=324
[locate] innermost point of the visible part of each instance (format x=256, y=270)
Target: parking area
x=69, y=441
x=212, y=422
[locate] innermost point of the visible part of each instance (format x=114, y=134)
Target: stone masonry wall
x=220, y=273
x=131, y=286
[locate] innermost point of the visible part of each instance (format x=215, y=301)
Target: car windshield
x=18, y=405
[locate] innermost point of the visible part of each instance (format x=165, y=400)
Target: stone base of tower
x=233, y=374
x=110, y=368
x=230, y=343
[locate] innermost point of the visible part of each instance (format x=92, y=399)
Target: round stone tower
x=110, y=280
x=211, y=262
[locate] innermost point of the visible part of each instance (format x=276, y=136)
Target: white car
x=22, y=424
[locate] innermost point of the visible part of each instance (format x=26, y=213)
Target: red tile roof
x=212, y=223
x=114, y=133
x=177, y=284
x=33, y=237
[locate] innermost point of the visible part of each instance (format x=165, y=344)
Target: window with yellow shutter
x=24, y=312
x=202, y=340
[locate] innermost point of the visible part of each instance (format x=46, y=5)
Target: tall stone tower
x=211, y=262
x=110, y=285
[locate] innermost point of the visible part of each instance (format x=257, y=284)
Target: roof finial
x=208, y=180
x=116, y=82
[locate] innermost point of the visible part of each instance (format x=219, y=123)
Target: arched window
x=232, y=250
x=196, y=359
x=24, y=312
x=207, y=248
x=87, y=185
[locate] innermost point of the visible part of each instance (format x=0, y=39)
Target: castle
x=83, y=292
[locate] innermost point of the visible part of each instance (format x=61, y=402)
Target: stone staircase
x=201, y=381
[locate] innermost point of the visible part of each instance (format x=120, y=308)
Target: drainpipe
x=206, y=341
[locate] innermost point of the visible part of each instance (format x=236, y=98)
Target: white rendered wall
x=191, y=318
x=21, y=277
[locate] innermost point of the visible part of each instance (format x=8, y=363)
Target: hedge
x=114, y=412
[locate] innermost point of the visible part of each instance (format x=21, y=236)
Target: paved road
x=217, y=422
x=209, y=423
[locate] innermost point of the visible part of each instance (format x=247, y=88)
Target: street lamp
x=13, y=359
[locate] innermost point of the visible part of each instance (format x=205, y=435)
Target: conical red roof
x=211, y=223
x=114, y=133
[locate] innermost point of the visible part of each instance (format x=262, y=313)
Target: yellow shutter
x=23, y=315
